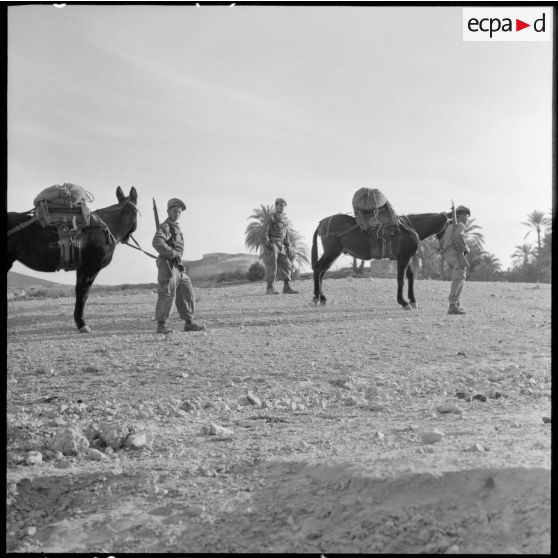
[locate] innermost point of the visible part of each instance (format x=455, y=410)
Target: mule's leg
x=411, y=286
x=322, y=265
x=318, y=274
x=83, y=284
x=317, y=283
x=401, y=269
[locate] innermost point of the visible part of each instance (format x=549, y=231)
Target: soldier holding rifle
x=454, y=246
x=173, y=283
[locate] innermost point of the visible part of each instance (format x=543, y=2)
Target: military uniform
x=172, y=282
x=277, y=252
x=454, y=246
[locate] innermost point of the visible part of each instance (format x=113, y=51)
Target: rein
x=138, y=247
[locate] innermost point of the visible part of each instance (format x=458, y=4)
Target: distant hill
x=210, y=266
x=216, y=263
x=17, y=281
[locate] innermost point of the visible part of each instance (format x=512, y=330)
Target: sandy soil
x=285, y=427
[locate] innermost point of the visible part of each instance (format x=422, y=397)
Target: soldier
x=277, y=254
x=454, y=246
x=173, y=283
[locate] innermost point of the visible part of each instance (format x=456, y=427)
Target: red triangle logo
x=519, y=25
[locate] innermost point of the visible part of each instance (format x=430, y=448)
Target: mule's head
x=129, y=210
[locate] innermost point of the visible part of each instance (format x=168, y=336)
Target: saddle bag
x=374, y=214
x=63, y=205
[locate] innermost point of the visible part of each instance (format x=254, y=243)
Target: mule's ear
x=133, y=195
x=120, y=195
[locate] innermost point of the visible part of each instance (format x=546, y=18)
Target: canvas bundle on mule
x=374, y=213
x=377, y=219
x=64, y=205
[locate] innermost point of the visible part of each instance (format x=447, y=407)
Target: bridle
x=137, y=245
x=112, y=238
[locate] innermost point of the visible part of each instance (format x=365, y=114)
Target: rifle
x=452, y=210
x=463, y=261
x=156, y=213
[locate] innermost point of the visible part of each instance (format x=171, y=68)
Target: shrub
x=230, y=276
x=256, y=272
x=51, y=292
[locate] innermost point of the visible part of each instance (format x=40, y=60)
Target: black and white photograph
x=279, y=277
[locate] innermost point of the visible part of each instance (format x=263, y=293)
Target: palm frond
x=522, y=254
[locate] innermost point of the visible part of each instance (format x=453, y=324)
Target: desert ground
x=356, y=427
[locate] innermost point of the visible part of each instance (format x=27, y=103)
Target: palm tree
x=255, y=236
x=537, y=221
x=543, y=257
x=299, y=250
x=488, y=266
x=491, y=261
x=473, y=234
x=522, y=255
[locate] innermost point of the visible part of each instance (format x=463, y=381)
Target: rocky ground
x=285, y=427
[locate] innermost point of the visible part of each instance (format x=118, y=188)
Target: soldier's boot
x=456, y=309
x=287, y=289
x=162, y=327
x=271, y=290
x=193, y=326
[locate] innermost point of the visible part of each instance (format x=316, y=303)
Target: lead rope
x=112, y=238
x=139, y=248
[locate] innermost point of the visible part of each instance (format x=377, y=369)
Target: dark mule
x=341, y=234
x=37, y=247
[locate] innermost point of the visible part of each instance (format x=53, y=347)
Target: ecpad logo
x=493, y=25
x=507, y=24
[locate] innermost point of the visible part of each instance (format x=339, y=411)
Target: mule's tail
x=314, y=253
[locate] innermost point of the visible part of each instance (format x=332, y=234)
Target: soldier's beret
x=462, y=209
x=175, y=201
x=280, y=200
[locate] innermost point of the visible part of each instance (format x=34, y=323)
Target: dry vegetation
x=285, y=427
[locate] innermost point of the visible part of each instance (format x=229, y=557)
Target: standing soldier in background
x=172, y=282
x=277, y=254
x=454, y=246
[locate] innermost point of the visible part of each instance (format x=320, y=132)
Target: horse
x=38, y=248
x=340, y=233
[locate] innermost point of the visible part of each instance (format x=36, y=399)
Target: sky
x=229, y=107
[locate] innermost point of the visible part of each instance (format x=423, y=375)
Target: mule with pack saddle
x=375, y=232
x=61, y=233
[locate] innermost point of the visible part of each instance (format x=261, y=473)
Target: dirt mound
x=472, y=511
